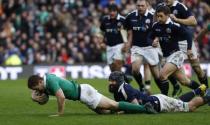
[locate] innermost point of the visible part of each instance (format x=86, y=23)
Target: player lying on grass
x=64, y=89
x=161, y=103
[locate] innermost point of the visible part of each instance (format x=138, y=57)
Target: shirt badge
x=168, y=30
x=175, y=12
x=147, y=21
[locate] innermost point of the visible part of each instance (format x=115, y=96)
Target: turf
x=16, y=108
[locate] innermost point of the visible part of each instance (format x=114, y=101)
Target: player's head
x=169, y=2
x=162, y=14
x=141, y=6
x=35, y=82
x=113, y=10
x=116, y=78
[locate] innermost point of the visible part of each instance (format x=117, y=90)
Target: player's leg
x=169, y=104
x=147, y=76
x=166, y=71
x=195, y=63
x=195, y=103
x=101, y=104
x=115, y=58
x=184, y=80
x=109, y=104
x=152, y=58
x=177, y=90
x=136, y=71
x=200, y=91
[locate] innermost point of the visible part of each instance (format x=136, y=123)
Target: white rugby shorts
x=114, y=53
x=149, y=54
x=183, y=47
x=169, y=104
x=177, y=58
x=89, y=96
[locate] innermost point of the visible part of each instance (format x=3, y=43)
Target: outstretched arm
x=61, y=101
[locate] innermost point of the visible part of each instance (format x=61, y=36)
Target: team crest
x=119, y=24
x=168, y=30
x=147, y=21
x=175, y=12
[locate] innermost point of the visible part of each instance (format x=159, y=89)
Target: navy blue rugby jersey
x=111, y=29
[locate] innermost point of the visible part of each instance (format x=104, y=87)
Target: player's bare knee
x=163, y=76
x=192, y=108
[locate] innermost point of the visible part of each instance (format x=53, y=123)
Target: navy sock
x=197, y=91
x=138, y=78
x=204, y=80
x=173, y=81
x=187, y=96
x=158, y=83
x=148, y=82
x=164, y=87
x=193, y=85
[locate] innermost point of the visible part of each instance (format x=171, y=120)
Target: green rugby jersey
x=53, y=83
x=208, y=27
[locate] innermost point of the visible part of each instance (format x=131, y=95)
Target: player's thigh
x=167, y=70
x=181, y=76
x=137, y=64
x=107, y=103
x=147, y=72
x=155, y=71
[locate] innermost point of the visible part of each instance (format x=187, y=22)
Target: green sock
x=131, y=108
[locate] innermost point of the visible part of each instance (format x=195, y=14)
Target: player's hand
x=103, y=46
x=56, y=115
x=173, y=17
x=190, y=54
x=125, y=48
x=155, y=42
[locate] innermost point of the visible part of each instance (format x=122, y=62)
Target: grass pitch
x=17, y=108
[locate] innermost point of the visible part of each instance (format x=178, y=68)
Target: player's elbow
x=193, y=21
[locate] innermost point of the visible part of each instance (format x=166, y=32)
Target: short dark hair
x=164, y=9
x=112, y=7
x=33, y=81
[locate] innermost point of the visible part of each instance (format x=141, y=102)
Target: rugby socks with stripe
x=131, y=108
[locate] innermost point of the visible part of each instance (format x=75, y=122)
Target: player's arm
x=135, y=101
x=130, y=38
x=202, y=33
x=190, y=21
x=61, y=101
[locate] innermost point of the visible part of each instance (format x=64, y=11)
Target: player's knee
x=163, y=76
x=113, y=105
x=192, y=108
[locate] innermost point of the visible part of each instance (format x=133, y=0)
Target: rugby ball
x=40, y=98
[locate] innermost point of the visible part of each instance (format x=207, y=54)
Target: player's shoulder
x=132, y=13
x=155, y=24
x=120, y=17
x=105, y=18
x=180, y=5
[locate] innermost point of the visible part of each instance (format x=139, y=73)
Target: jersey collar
x=145, y=14
x=175, y=3
x=45, y=81
x=168, y=20
x=117, y=18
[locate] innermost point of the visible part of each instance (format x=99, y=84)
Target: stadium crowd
x=66, y=31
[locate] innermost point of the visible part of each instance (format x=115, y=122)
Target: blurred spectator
x=67, y=31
